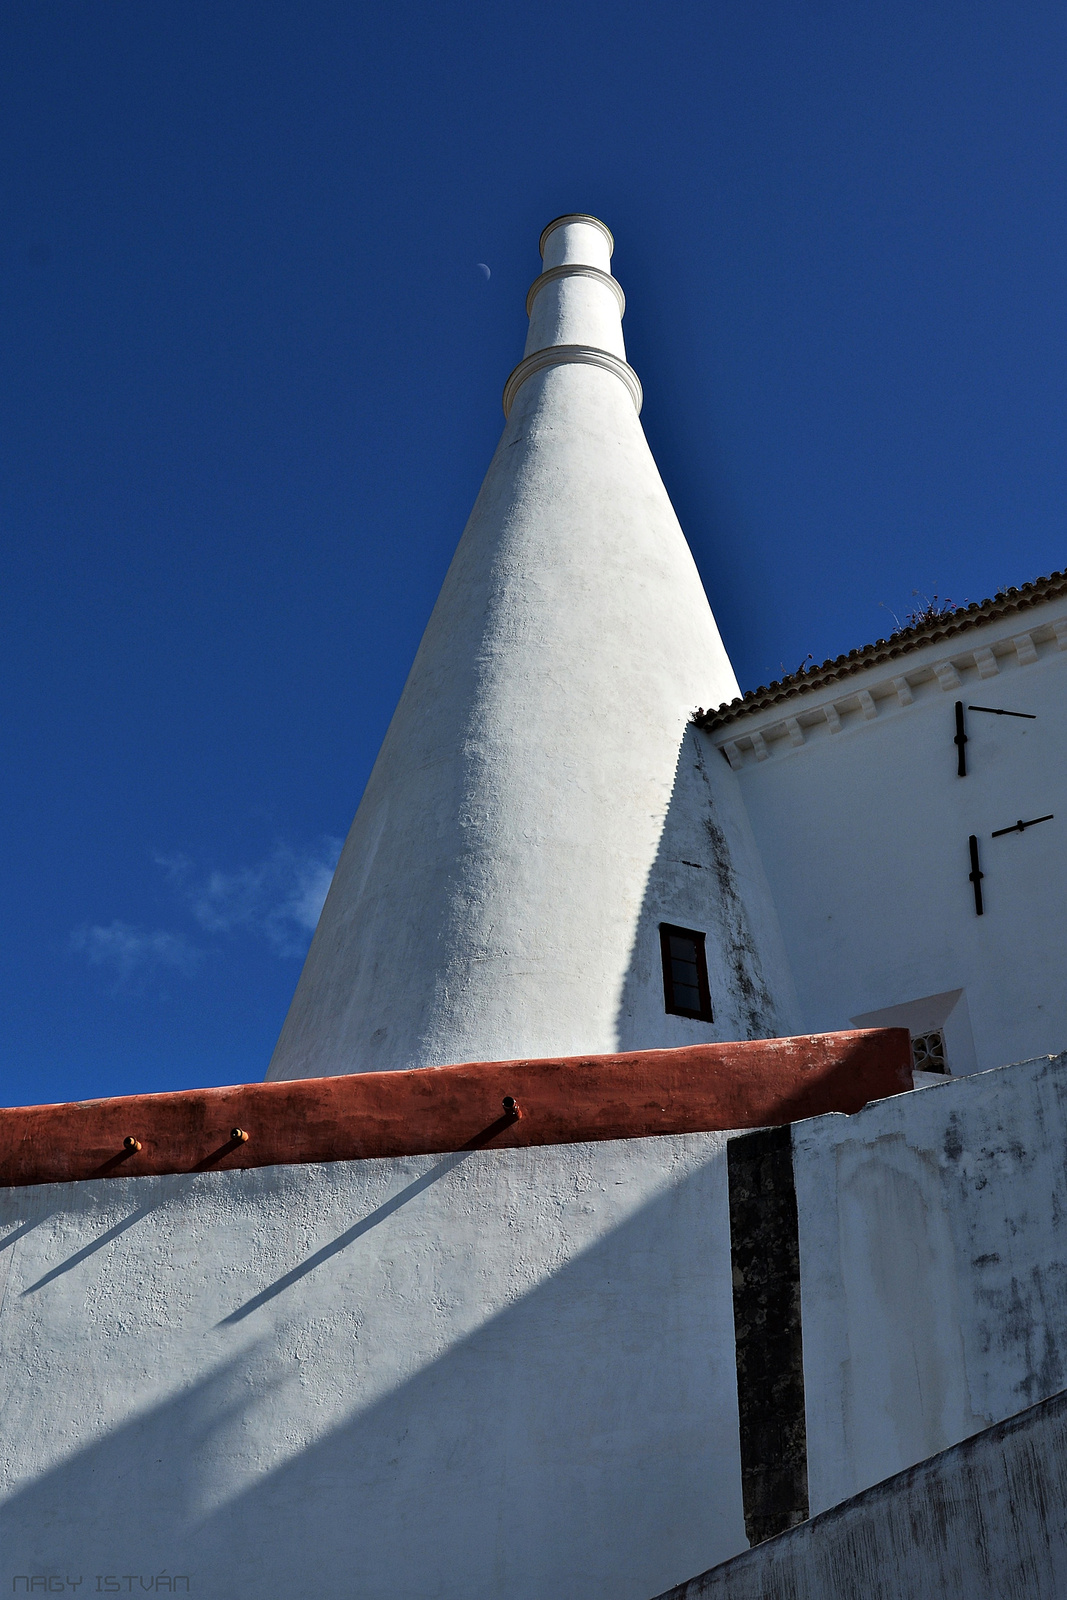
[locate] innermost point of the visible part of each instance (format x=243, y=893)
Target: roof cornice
x=1006, y=602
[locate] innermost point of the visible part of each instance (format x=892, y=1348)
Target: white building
x=605, y=1295
x=870, y=810
x=543, y=805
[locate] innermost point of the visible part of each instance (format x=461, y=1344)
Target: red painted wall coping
x=701, y=1088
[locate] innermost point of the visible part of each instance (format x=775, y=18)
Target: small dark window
x=685, y=972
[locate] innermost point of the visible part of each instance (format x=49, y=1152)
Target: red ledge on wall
x=699, y=1089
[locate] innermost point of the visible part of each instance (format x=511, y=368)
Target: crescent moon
x=483, y=268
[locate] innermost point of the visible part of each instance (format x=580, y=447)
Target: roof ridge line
x=902, y=642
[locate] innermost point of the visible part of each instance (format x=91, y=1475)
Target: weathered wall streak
x=746, y=969
x=933, y=1247
x=907, y=1368
x=985, y=1520
x=750, y=931
x=707, y=875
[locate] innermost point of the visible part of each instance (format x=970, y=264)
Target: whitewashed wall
x=456, y=1376
x=933, y=1255
x=986, y=1520
x=863, y=834
x=707, y=875
x=510, y=1371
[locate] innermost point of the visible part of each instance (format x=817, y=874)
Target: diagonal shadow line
x=480, y=1140
x=16, y=1233
x=90, y=1249
x=216, y=1155
x=386, y=1209
x=111, y=1166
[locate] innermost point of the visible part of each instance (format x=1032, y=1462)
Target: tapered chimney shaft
x=488, y=898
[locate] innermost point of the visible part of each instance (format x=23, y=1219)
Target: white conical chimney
x=486, y=901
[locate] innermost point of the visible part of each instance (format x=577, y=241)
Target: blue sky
x=252, y=376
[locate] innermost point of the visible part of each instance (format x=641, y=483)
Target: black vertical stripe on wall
x=960, y=742
x=765, y=1255
x=976, y=875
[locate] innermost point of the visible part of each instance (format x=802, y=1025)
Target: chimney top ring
x=578, y=216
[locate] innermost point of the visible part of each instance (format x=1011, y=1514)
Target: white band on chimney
x=578, y=216
x=560, y=355
x=575, y=270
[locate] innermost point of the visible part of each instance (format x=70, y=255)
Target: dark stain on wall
x=754, y=1001
x=765, y=1255
x=953, y=1146
x=755, y=1006
x=707, y=875
x=983, y=1520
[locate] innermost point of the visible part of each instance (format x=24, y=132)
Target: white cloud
x=127, y=949
x=279, y=899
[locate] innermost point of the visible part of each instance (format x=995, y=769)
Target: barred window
x=685, y=973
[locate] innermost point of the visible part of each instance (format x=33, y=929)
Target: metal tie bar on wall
x=1017, y=827
x=959, y=741
x=961, y=731
x=993, y=711
x=976, y=875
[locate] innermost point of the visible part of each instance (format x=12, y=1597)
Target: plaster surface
x=986, y=1520
x=576, y=238
x=862, y=825
x=933, y=1254
x=576, y=310
x=505, y=1372
x=708, y=874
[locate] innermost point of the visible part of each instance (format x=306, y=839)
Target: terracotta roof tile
x=933, y=631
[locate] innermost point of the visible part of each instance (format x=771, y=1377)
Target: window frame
x=705, y=1014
